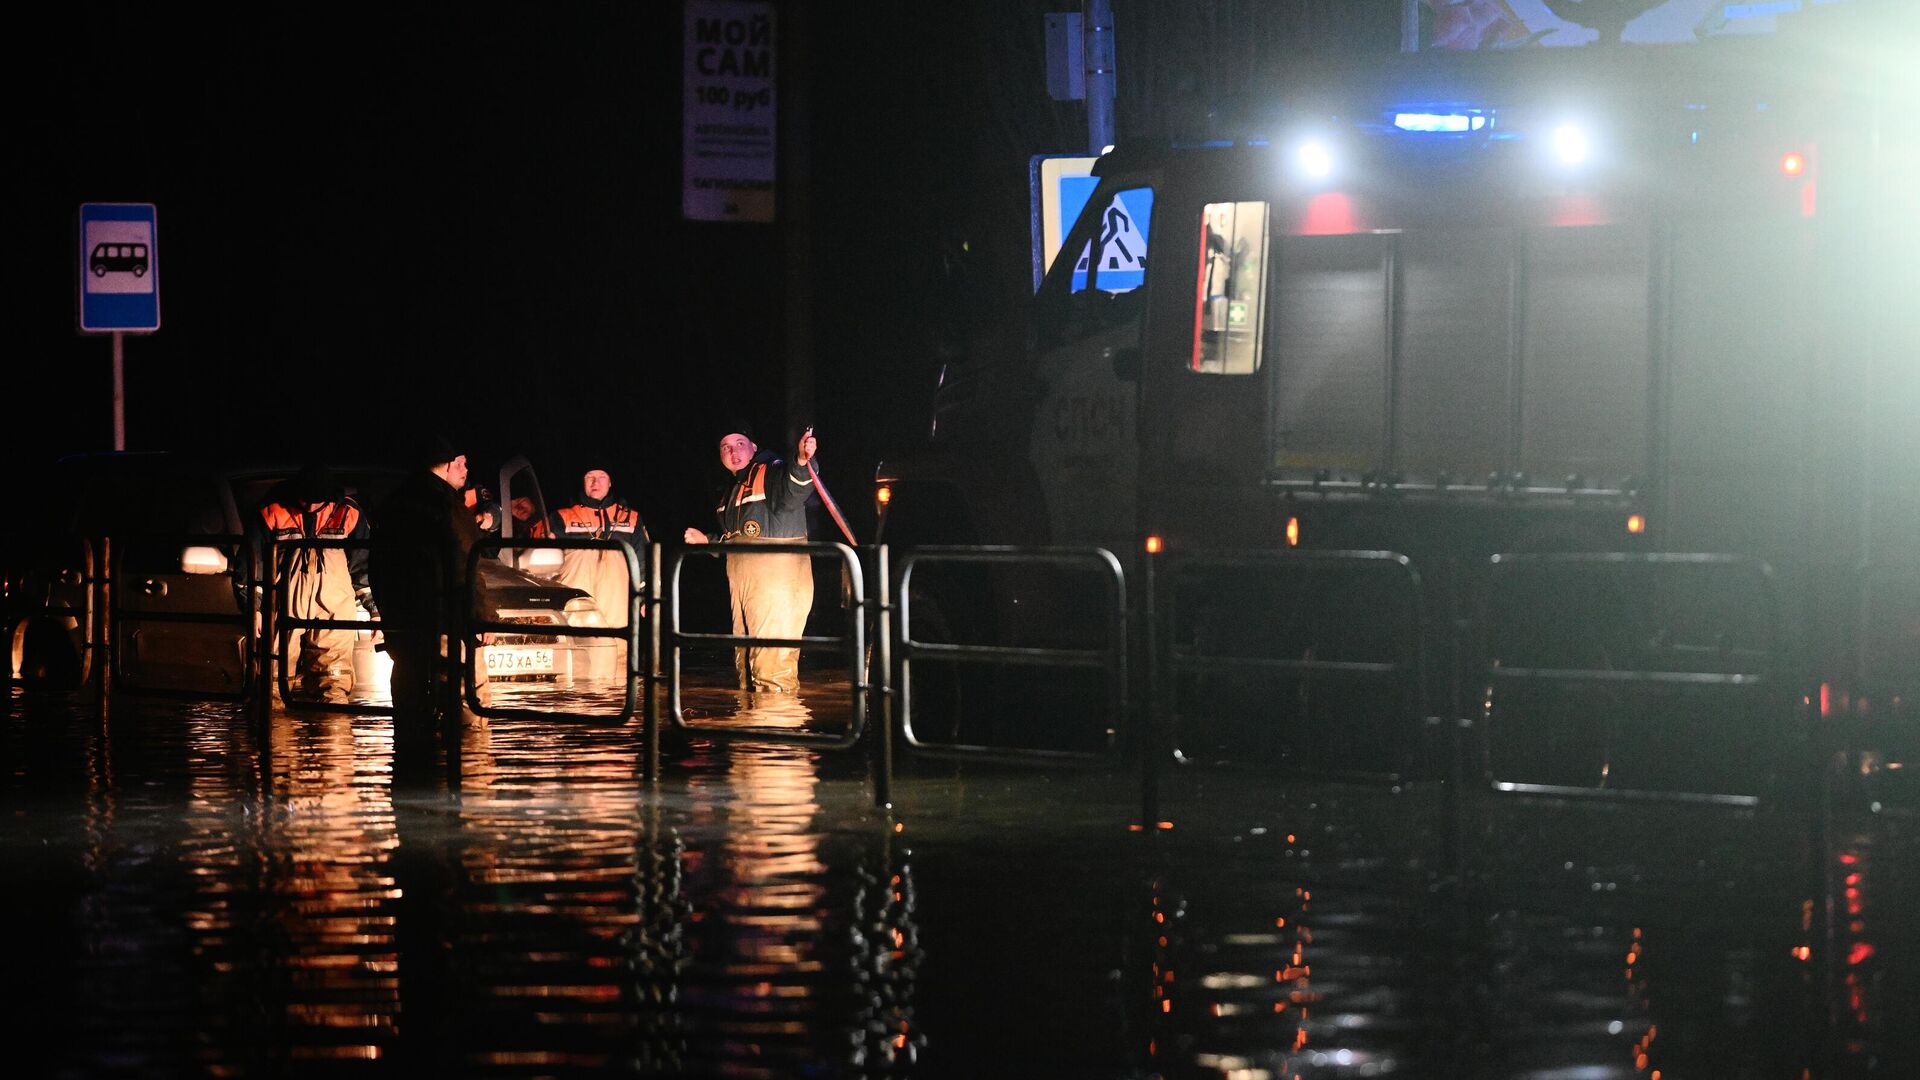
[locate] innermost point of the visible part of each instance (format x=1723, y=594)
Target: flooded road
x=188, y=896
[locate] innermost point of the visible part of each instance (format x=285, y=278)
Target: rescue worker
x=419, y=568
x=597, y=514
x=525, y=523
x=318, y=583
x=766, y=503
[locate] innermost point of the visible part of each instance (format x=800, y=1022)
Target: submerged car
x=176, y=525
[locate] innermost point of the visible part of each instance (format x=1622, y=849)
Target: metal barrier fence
x=96, y=597
x=1407, y=666
x=82, y=596
x=1752, y=669
x=276, y=628
x=1111, y=660
x=1887, y=632
x=672, y=641
x=634, y=671
x=237, y=552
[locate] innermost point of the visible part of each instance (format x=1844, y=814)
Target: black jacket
x=767, y=498
x=423, y=535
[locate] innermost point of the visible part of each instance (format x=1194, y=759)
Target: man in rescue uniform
x=598, y=515
x=524, y=522
x=772, y=594
x=318, y=583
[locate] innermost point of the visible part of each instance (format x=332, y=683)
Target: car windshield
x=138, y=495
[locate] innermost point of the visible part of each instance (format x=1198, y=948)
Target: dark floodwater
x=181, y=900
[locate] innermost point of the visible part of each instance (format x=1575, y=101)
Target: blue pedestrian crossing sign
x=1062, y=186
x=1123, y=235
x=119, y=268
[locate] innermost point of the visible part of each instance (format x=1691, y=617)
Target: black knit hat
x=735, y=426
x=313, y=484
x=436, y=449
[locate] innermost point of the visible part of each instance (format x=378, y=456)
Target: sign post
x=119, y=285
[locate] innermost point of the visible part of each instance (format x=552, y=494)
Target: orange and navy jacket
x=769, y=493
x=597, y=519
x=339, y=519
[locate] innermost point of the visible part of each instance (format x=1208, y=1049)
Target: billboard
x=1502, y=24
x=729, y=135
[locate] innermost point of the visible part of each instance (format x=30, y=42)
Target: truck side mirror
x=1126, y=361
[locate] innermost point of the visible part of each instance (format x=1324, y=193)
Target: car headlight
x=203, y=560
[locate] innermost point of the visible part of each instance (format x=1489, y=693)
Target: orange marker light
x=1155, y=545
x=1794, y=163
x=1293, y=532
x=883, y=494
x=1636, y=524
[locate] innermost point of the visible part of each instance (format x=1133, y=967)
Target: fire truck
x=1456, y=305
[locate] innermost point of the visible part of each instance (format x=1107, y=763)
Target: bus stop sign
x=119, y=268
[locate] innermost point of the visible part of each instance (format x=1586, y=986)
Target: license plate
x=502, y=661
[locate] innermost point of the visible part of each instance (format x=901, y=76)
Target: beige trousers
x=316, y=584
x=772, y=595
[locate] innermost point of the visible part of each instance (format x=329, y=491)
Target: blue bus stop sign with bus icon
x=119, y=268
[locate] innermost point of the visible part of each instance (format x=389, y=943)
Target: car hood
x=511, y=590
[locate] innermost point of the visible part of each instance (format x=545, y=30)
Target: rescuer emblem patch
x=750, y=530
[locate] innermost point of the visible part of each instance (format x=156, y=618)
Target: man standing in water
x=423, y=536
x=766, y=503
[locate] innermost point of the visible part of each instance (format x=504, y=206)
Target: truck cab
x=1463, y=304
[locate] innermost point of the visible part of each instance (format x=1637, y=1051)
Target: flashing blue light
x=1452, y=123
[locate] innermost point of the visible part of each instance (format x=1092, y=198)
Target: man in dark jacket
x=422, y=540
x=765, y=504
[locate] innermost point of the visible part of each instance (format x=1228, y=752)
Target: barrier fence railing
x=673, y=641
x=276, y=628
x=96, y=599
x=1407, y=664
x=80, y=596
x=1110, y=659
x=125, y=611
x=1629, y=580
x=1661, y=562
x=1886, y=654
x=636, y=666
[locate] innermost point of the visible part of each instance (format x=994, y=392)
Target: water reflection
x=199, y=904
x=322, y=845
x=1300, y=951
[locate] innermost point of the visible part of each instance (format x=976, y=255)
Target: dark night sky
x=425, y=216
